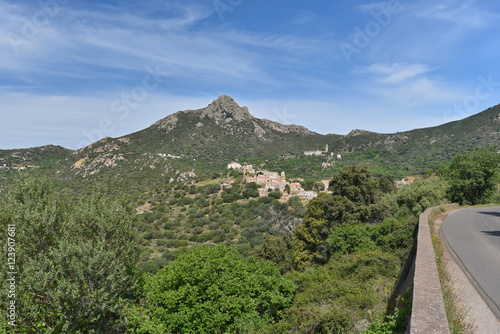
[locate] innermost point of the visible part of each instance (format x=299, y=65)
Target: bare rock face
x=168, y=123
x=287, y=128
x=225, y=109
x=226, y=113
x=357, y=132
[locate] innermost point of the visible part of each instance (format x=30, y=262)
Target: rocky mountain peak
x=358, y=132
x=226, y=109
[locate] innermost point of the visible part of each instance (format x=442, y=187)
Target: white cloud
x=394, y=73
x=373, y=6
x=463, y=13
x=304, y=17
x=80, y=43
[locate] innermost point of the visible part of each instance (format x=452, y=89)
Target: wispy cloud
x=368, y=7
x=304, y=17
x=426, y=59
x=394, y=73
x=127, y=42
x=464, y=13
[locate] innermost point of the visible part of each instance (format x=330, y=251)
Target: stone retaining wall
x=428, y=314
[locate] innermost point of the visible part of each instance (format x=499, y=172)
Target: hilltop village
x=274, y=182
x=268, y=182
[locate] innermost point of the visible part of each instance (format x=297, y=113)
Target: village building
x=317, y=152
x=326, y=183
x=226, y=183
x=275, y=184
x=405, y=182
x=273, y=181
x=247, y=169
x=261, y=180
x=308, y=195
x=270, y=174
x=234, y=165
x=295, y=188
x=249, y=179
x=262, y=192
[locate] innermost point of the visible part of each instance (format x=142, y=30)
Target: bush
x=186, y=201
x=274, y=195
x=422, y=194
x=351, y=239
x=473, y=176
x=214, y=289
x=76, y=260
x=333, y=297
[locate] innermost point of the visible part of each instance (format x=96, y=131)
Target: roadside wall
x=428, y=313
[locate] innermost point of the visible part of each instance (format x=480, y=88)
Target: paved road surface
x=474, y=237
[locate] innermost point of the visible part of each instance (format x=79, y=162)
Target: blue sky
x=73, y=71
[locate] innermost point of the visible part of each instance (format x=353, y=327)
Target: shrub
x=214, y=289
x=76, y=260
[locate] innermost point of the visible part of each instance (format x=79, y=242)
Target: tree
x=319, y=186
x=308, y=184
x=250, y=192
x=473, y=176
x=358, y=195
x=75, y=260
x=215, y=290
x=356, y=198
x=275, y=249
x=274, y=194
x=351, y=239
x=386, y=184
x=422, y=194
x=309, y=238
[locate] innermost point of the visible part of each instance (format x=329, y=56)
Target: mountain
x=196, y=144
x=193, y=143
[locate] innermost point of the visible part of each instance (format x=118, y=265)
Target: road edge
x=491, y=305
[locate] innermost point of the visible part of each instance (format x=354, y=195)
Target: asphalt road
x=474, y=238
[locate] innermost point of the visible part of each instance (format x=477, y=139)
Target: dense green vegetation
x=79, y=258
x=213, y=290
x=474, y=176
x=203, y=146
x=75, y=261
x=176, y=252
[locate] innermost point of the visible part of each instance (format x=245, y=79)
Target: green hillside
x=194, y=145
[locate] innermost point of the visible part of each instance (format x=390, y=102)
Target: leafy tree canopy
x=473, y=176
x=275, y=249
x=215, y=290
x=356, y=198
x=75, y=261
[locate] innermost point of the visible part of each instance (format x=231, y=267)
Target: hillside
x=197, y=144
